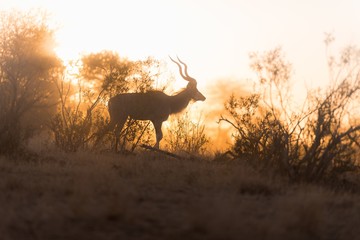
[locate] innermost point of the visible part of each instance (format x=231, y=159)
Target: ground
x=150, y=196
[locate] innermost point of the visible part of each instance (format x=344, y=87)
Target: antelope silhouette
x=155, y=106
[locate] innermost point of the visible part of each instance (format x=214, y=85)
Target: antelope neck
x=180, y=101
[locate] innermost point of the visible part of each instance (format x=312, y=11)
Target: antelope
x=155, y=106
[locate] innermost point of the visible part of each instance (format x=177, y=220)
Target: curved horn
x=180, y=68
x=186, y=76
x=185, y=70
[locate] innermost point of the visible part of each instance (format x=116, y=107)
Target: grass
x=109, y=196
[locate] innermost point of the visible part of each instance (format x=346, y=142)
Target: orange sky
x=213, y=36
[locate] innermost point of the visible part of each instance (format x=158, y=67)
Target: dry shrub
x=318, y=142
x=187, y=135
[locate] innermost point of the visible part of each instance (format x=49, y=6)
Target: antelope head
x=191, y=87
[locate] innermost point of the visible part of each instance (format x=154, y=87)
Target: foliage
x=28, y=67
x=257, y=130
x=187, y=135
x=80, y=121
x=72, y=124
x=320, y=140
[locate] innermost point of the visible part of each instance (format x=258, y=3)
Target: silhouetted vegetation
x=312, y=142
x=318, y=141
x=40, y=93
x=186, y=135
x=81, y=122
x=28, y=67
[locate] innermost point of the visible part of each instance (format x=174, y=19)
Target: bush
x=319, y=141
x=186, y=135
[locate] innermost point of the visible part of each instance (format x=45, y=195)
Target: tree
x=81, y=121
x=28, y=66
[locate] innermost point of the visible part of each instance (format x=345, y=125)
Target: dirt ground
x=109, y=196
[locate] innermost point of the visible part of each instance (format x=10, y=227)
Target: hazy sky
x=213, y=36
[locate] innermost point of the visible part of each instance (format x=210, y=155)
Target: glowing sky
x=213, y=36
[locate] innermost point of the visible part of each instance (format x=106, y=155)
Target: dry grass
x=107, y=196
